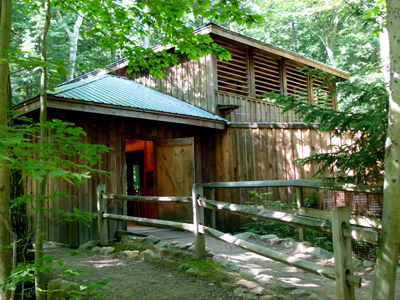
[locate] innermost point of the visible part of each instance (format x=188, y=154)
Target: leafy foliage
x=19, y=146
x=362, y=118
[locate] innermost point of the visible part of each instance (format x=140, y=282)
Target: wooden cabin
x=203, y=122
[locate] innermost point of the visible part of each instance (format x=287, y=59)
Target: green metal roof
x=120, y=91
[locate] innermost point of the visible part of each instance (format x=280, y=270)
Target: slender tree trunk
x=385, y=276
x=73, y=45
x=5, y=239
x=384, y=53
x=39, y=280
x=294, y=36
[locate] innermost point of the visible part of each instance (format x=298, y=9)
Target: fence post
x=198, y=219
x=300, y=204
x=102, y=208
x=342, y=253
x=213, y=212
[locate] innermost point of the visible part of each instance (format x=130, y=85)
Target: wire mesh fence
x=360, y=204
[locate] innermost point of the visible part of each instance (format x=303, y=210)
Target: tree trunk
x=384, y=53
x=73, y=45
x=39, y=279
x=5, y=239
x=385, y=276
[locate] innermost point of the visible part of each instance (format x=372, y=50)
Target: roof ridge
x=79, y=83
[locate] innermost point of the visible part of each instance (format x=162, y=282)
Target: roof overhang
x=217, y=30
x=114, y=110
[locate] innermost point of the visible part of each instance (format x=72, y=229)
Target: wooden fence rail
x=338, y=223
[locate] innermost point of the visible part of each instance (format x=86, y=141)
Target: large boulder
x=60, y=289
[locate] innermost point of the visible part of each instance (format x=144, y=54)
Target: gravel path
x=134, y=279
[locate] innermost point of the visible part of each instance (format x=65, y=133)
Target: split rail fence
x=341, y=225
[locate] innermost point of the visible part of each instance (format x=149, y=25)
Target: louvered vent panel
x=233, y=75
x=266, y=74
x=321, y=93
x=296, y=82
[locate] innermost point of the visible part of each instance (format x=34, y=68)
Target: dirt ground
x=131, y=279
x=135, y=279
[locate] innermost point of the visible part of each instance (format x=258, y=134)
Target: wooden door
x=174, y=176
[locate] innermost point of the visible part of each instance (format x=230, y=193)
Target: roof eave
x=115, y=110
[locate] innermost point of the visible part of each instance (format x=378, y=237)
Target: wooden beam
x=342, y=253
x=122, y=111
x=274, y=50
x=187, y=199
x=150, y=222
x=293, y=125
x=305, y=183
x=324, y=226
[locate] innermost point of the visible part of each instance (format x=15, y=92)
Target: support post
x=198, y=219
x=300, y=203
x=342, y=253
x=213, y=212
x=102, y=208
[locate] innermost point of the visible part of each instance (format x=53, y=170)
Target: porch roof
x=119, y=96
x=115, y=90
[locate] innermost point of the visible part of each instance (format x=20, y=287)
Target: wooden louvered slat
x=321, y=96
x=232, y=76
x=297, y=82
x=266, y=74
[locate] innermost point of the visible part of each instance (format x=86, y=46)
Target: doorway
x=140, y=177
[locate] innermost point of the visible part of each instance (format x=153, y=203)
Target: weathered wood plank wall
x=251, y=153
x=113, y=131
x=190, y=81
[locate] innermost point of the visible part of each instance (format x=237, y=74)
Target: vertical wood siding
x=263, y=154
x=190, y=81
x=112, y=131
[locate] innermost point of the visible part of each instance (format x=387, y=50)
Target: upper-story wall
x=191, y=81
x=234, y=89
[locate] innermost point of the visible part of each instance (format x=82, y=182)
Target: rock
x=96, y=249
x=219, y=258
x=275, y=241
x=267, y=237
x=302, y=246
x=300, y=293
x=357, y=262
x=106, y=250
x=89, y=245
x=161, y=245
x=247, y=236
x=210, y=254
x=263, y=279
x=191, y=271
x=131, y=254
x=186, y=246
x=151, y=240
x=248, y=273
x=239, y=292
x=62, y=289
x=230, y=265
x=368, y=264
x=319, y=252
x=128, y=238
x=176, y=243
x=191, y=248
x=289, y=242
